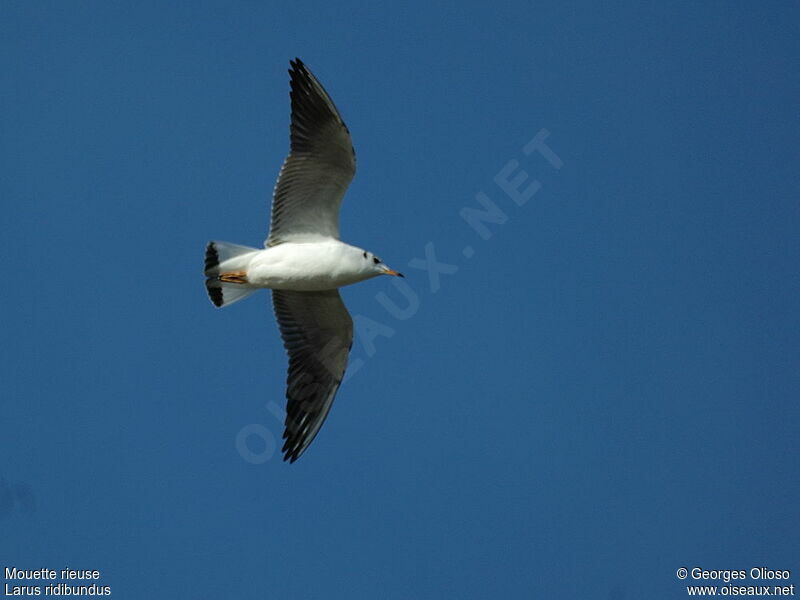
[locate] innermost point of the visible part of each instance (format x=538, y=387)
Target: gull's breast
x=303, y=267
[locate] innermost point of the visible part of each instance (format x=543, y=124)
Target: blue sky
x=603, y=392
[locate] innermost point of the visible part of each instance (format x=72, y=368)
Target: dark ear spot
x=365, y=254
x=376, y=260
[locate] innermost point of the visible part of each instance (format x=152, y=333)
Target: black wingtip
x=214, y=292
x=297, y=66
x=290, y=454
x=212, y=257
x=293, y=447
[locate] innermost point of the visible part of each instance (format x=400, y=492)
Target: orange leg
x=234, y=277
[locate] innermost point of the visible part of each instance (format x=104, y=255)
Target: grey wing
x=320, y=165
x=317, y=333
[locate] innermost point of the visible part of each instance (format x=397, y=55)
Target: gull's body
x=305, y=266
x=303, y=261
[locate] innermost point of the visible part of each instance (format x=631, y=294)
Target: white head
x=375, y=266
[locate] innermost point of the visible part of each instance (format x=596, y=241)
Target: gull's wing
x=320, y=165
x=317, y=332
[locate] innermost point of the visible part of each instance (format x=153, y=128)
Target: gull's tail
x=223, y=260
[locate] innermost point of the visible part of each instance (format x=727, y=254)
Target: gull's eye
x=376, y=260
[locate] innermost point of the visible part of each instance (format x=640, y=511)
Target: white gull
x=304, y=262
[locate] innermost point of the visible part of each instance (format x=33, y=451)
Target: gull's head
x=375, y=266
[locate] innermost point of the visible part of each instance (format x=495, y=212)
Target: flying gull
x=303, y=261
